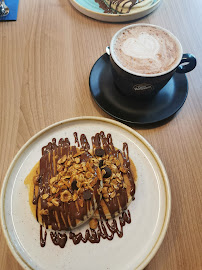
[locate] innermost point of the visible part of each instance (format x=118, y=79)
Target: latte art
x=146, y=50
x=145, y=46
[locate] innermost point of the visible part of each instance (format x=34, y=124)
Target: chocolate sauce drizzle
x=105, y=7
x=94, y=236
x=108, y=8
x=42, y=238
x=64, y=216
x=59, y=239
x=76, y=138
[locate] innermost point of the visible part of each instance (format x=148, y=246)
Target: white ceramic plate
x=150, y=211
x=91, y=9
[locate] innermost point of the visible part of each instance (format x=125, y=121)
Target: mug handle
x=190, y=61
x=108, y=50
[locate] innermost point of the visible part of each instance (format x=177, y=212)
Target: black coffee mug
x=143, y=85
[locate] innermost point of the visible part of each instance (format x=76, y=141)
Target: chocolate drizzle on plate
x=94, y=236
x=91, y=235
x=42, y=238
x=76, y=138
x=59, y=239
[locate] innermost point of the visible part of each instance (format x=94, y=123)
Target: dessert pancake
x=119, y=176
x=125, y=6
x=64, y=186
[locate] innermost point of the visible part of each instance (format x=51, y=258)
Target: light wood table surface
x=45, y=60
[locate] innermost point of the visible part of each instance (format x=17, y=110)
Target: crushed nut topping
x=113, y=180
x=74, y=177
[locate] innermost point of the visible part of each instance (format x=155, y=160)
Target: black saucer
x=128, y=109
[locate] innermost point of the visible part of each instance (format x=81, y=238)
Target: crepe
x=64, y=188
x=118, y=186
x=126, y=6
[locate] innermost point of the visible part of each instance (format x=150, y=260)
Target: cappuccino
x=145, y=49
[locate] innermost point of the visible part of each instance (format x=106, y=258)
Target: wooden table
x=45, y=60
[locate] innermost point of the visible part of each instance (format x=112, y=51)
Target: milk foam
x=146, y=50
x=145, y=46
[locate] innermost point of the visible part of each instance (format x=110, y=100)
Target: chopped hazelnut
x=89, y=175
x=55, y=201
x=44, y=212
x=75, y=197
x=105, y=195
x=62, y=160
x=77, y=160
x=110, y=189
x=49, y=204
x=60, y=168
x=65, y=196
x=35, y=180
x=113, y=194
x=93, y=223
x=123, y=169
x=104, y=190
x=53, y=190
x=52, y=180
x=45, y=196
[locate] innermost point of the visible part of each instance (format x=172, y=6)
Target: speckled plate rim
x=116, y=17
x=165, y=179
